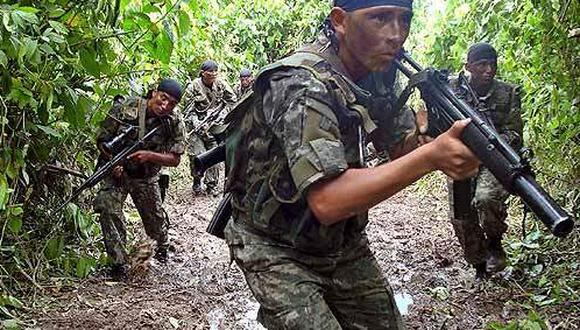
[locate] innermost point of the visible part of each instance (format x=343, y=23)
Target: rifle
x=223, y=212
x=200, y=128
x=511, y=169
x=104, y=169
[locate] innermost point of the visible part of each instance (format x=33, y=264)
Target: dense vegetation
x=63, y=61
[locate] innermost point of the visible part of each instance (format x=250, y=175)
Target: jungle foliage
x=63, y=61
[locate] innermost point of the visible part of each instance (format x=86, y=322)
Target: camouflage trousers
x=109, y=202
x=487, y=220
x=198, y=145
x=300, y=291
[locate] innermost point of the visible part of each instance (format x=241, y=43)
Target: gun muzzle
x=209, y=158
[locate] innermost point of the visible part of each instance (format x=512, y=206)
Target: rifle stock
x=511, y=170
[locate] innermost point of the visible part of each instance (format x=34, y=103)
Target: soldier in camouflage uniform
x=300, y=188
x=207, y=100
x=139, y=177
x=246, y=83
x=480, y=233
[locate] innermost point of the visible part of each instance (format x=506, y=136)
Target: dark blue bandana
x=351, y=5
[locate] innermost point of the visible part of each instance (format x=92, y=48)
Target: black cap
x=209, y=65
x=481, y=51
x=245, y=73
x=351, y=5
x=171, y=87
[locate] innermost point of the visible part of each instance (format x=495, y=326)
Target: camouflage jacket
x=201, y=101
x=240, y=91
x=501, y=107
x=305, y=122
x=125, y=113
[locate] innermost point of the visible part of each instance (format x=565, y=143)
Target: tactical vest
x=304, y=232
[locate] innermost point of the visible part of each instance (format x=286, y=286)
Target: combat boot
x=161, y=253
x=481, y=272
x=119, y=272
x=496, y=259
x=196, y=187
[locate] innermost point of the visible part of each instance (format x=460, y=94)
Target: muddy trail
x=199, y=288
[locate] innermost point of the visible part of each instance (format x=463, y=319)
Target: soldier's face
x=246, y=81
x=209, y=77
x=161, y=104
x=371, y=38
x=482, y=71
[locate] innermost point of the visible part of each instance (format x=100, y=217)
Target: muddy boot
x=119, y=272
x=196, y=187
x=161, y=253
x=212, y=191
x=496, y=260
x=480, y=272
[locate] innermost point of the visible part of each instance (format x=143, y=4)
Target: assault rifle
x=444, y=108
x=210, y=117
x=118, y=147
x=510, y=168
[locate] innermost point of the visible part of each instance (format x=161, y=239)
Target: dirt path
x=199, y=289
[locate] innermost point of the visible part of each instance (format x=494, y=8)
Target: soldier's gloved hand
x=451, y=156
x=117, y=171
x=141, y=156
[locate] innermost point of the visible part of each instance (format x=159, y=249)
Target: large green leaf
x=164, y=47
x=88, y=59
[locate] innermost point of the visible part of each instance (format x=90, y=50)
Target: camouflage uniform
x=501, y=107
x=202, y=101
x=305, y=275
x=141, y=182
x=241, y=91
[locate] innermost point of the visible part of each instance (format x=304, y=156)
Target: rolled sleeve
x=297, y=108
x=178, y=142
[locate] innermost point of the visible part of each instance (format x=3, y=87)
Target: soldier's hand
x=141, y=156
x=421, y=120
x=453, y=157
x=117, y=171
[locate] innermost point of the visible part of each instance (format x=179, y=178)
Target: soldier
x=139, y=177
x=300, y=191
x=246, y=83
x=207, y=100
x=480, y=232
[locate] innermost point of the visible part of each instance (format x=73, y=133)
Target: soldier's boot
x=119, y=272
x=161, y=253
x=212, y=190
x=481, y=272
x=196, y=187
x=496, y=259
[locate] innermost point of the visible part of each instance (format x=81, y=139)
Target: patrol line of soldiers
x=300, y=197
x=207, y=99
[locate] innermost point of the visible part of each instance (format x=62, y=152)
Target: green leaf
x=15, y=224
x=85, y=266
x=30, y=10
x=184, y=23
x=164, y=47
x=11, y=324
x=16, y=210
x=3, y=192
x=49, y=131
x=54, y=248
x=58, y=27
x=7, y=300
x=88, y=59
x=3, y=59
